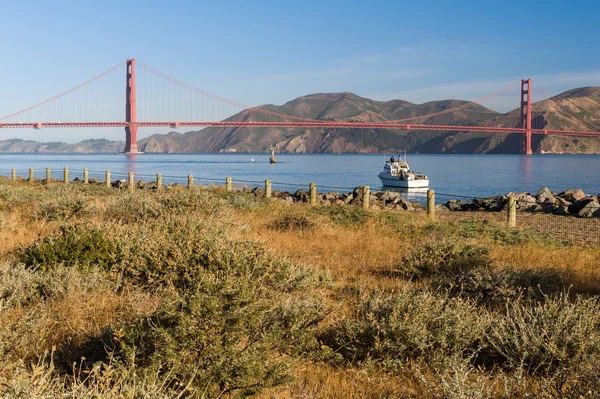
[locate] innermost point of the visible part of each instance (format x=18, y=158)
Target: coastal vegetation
x=203, y=293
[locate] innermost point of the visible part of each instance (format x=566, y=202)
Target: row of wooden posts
x=312, y=189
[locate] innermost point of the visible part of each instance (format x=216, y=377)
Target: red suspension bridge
x=168, y=102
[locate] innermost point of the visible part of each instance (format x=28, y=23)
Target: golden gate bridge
x=168, y=102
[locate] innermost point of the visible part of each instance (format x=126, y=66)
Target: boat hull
x=392, y=181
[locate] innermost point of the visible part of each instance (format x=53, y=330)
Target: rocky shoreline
x=567, y=203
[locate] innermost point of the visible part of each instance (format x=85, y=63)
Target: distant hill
x=563, y=111
x=560, y=112
x=92, y=145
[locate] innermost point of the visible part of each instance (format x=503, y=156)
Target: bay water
x=450, y=175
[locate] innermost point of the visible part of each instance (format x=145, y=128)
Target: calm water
x=469, y=175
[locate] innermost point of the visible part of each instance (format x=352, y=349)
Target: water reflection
x=130, y=163
x=527, y=170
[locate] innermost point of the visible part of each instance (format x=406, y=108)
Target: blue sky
x=257, y=52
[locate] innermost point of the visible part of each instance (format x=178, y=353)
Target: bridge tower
x=130, y=110
x=526, y=116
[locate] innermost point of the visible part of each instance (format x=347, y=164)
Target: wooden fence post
x=159, y=182
x=228, y=186
x=267, y=188
x=312, y=188
x=66, y=176
x=107, y=174
x=85, y=176
x=512, y=212
x=190, y=181
x=366, y=196
x=131, y=183
x=13, y=173
x=431, y=204
x=30, y=175
x=48, y=176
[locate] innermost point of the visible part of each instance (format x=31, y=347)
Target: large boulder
x=390, y=196
x=457, y=205
x=561, y=210
x=405, y=204
x=525, y=202
x=493, y=204
x=578, y=205
x=119, y=183
x=591, y=209
x=572, y=195
x=301, y=196
x=544, y=194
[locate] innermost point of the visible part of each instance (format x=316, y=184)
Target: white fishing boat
x=398, y=174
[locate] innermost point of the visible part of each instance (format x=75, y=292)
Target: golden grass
x=354, y=255
x=69, y=320
x=322, y=381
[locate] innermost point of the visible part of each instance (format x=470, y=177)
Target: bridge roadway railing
x=557, y=220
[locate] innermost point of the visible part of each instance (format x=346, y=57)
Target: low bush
x=394, y=328
x=346, y=216
x=77, y=245
x=441, y=258
x=542, y=338
x=21, y=286
x=493, y=287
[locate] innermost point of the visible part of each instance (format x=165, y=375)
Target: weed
x=73, y=246
x=346, y=216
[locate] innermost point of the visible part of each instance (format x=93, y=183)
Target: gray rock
x=390, y=196
x=591, y=209
x=561, y=210
x=442, y=208
x=119, y=183
x=578, y=205
x=301, y=196
x=405, y=204
x=456, y=205
x=544, y=207
x=572, y=195
x=331, y=196
x=561, y=201
x=95, y=181
x=339, y=203
x=544, y=194
x=258, y=192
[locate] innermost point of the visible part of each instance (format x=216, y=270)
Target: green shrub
x=292, y=222
x=77, y=245
x=445, y=258
x=60, y=209
x=557, y=332
x=21, y=286
x=346, y=216
x=393, y=328
x=493, y=287
x=177, y=251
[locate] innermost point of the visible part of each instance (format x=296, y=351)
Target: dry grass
x=359, y=250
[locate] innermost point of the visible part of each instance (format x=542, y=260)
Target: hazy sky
x=257, y=52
